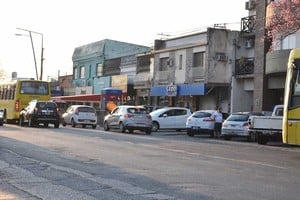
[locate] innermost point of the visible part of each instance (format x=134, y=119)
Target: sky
x=64, y=25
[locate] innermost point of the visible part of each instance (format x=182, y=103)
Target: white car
x=170, y=118
x=80, y=115
x=200, y=122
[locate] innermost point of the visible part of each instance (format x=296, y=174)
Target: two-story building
x=195, y=70
x=106, y=63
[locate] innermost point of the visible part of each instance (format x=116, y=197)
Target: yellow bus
x=291, y=115
x=15, y=95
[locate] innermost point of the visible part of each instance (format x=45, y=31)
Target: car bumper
x=139, y=126
x=233, y=132
x=199, y=130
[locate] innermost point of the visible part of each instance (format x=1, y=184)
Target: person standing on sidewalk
x=218, y=118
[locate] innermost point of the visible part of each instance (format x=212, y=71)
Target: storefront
x=183, y=95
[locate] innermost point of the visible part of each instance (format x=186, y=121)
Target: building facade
x=195, y=70
x=106, y=63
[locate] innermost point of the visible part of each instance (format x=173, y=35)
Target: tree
x=284, y=19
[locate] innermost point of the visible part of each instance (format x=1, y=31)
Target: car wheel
x=155, y=126
x=73, y=124
x=122, y=127
x=56, y=125
x=190, y=133
x=63, y=122
x=130, y=130
x=227, y=137
x=148, y=131
x=105, y=126
x=21, y=121
x=94, y=126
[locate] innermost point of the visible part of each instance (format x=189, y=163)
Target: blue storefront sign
x=181, y=90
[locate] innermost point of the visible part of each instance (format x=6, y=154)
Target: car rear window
x=201, y=114
x=137, y=110
x=86, y=109
x=46, y=105
x=238, y=118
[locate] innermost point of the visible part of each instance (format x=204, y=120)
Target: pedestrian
x=218, y=118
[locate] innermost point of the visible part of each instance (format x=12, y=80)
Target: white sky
x=67, y=24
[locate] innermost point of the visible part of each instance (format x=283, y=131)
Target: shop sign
x=172, y=90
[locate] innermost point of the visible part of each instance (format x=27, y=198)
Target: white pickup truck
x=265, y=127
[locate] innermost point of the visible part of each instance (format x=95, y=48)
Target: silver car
x=237, y=125
x=80, y=115
x=129, y=118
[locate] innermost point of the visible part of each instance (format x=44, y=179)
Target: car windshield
x=201, y=114
x=46, y=105
x=238, y=118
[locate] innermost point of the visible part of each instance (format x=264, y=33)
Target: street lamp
x=42, y=51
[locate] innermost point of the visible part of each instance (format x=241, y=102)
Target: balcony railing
x=248, y=24
x=244, y=66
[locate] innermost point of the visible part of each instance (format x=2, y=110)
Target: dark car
x=40, y=112
x=1, y=117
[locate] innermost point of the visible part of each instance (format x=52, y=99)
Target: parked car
x=80, y=115
x=170, y=118
x=127, y=117
x=45, y=112
x=1, y=117
x=200, y=122
x=152, y=108
x=237, y=125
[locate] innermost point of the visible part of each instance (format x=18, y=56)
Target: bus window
x=295, y=99
x=31, y=87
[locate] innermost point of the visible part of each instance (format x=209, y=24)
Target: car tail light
x=128, y=115
x=149, y=117
x=17, y=105
x=246, y=124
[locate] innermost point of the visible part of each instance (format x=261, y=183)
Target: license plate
x=196, y=127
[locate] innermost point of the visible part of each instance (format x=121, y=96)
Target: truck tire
x=262, y=139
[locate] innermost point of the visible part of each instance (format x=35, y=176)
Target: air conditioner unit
x=221, y=57
x=249, y=5
x=249, y=44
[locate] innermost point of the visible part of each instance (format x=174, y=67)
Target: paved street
x=77, y=163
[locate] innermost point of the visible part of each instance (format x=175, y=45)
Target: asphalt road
x=76, y=163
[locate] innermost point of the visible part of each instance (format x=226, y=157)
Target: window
x=99, y=70
x=180, y=62
x=198, y=59
x=75, y=72
x=163, y=64
x=81, y=72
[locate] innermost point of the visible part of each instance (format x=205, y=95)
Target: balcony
x=196, y=73
x=142, y=80
x=244, y=66
x=276, y=61
x=162, y=76
x=248, y=25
